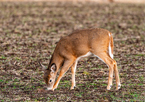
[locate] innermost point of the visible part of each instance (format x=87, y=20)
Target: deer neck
x=57, y=59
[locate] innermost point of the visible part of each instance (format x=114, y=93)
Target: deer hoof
x=109, y=87
x=73, y=87
x=118, y=87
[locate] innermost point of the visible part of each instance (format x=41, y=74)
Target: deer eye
x=50, y=81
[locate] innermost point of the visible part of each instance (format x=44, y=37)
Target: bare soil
x=29, y=32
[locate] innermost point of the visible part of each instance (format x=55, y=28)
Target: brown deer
x=82, y=43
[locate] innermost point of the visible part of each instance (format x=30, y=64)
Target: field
x=29, y=32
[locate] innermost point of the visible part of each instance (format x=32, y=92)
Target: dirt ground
x=82, y=1
x=29, y=32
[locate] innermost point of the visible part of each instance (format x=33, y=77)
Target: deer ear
x=53, y=68
x=42, y=66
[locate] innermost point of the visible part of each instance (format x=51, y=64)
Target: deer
x=96, y=42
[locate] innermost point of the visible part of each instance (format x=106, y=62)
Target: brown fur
x=69, y=48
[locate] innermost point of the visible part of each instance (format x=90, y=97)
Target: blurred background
x=30, y=30
x=124, y=1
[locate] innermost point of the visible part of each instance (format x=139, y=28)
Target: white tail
x=83, y=43
x=110, y=49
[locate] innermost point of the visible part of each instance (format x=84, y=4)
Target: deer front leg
x=65, y=67
x=73, y=70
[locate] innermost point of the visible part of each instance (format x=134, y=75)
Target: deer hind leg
x=73, y=70
x=67, y=64
x=118, y=85
x=110, y=63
